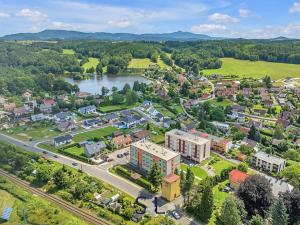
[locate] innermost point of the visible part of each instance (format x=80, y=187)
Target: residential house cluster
x=227, y=88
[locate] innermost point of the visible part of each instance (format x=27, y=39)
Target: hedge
x=78, y=157
x=127, y=174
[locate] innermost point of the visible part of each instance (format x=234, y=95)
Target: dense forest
x=36, y=65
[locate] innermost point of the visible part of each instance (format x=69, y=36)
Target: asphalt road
x=102, y=173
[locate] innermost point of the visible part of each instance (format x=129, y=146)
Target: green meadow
x=68, y=51
x=258, y=69
x=93, y=62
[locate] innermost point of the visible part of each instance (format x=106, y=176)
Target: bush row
x=127, y=174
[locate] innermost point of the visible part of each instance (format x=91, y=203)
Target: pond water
x=95, y=84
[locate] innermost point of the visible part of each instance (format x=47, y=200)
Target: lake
x=95, y=84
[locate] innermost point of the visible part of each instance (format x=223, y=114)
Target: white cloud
x=32, y=15
x=214, y=29
x=222, y=18
x=104, y=17
x=122, y=23
x=4, y=15
x=295, y=8
x=244, y=13
x=60, y=25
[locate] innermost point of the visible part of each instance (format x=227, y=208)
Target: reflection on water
x=95, y=84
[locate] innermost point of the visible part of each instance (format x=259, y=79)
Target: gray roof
x=87, y=109
x=64, y=138
x=269, y=158
x=111, y=116
x=92, y=148
x=62, y=115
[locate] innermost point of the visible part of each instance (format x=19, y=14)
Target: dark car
x=74, y=163
x=44, y=152
x=55, y=156
x=120, y=155
x=126, y=153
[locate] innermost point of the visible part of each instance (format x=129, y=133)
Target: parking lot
x=120, y=156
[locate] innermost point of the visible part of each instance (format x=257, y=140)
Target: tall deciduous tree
x=291, y=201
x=256, y=193
x=278, y=213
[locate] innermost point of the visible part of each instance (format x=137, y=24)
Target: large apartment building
x=143, y=154
x=188, y=145
x=267, y=162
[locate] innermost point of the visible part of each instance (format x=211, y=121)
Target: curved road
x=101, y=173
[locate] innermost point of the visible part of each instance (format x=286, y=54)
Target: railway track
x=67, y=206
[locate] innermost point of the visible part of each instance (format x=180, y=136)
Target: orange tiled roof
x=171, y=178
x=237, y=176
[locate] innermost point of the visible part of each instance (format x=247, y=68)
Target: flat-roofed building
x=267, y=162
x=143, y=154
x=188, y=145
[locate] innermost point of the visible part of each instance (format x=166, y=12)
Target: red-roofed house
x=9, y=107
x=49, y=102
x=236, y=177
x=181, y=79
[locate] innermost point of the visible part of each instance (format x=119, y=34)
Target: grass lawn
x=103, y=132
x=224, y=103
x=221, y=164
x=75, y=150
x=162, y=65
x=93, y=62
x=163, y=110
x=178, y=108
x=114, y=108
x=68, y=51
x=159, y=137
x=219, y=198
x=245, y=68
x=139, y=63
x=36, y=132
x=258, y=107
x=198, y=172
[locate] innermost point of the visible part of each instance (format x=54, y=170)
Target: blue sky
x=229, y=18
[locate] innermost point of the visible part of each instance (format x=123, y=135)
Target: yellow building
x=171, y=187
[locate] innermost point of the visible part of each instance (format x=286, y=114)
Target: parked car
x=176, y=215
x=109, y=159
x=44, y=152
x=120, y=155
x=126, y=153
x=74, y=163
x=55, y=156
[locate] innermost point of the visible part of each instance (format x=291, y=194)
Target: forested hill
x=75, y=35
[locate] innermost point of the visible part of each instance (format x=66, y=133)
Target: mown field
x=139, y=63
x=145, y=63
x=245, y=68
x=93, y=62
x=103, y=132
